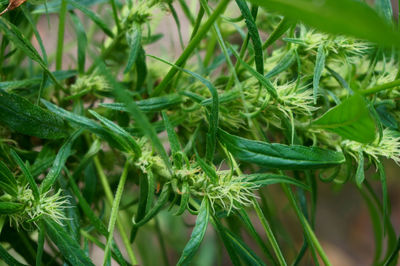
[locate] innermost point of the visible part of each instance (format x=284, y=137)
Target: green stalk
x=40, y=244
x=61, y=30
x=381, y=87
x=115, y=15
x=312, y=239
x=110, y=199
x=191, y=46
x=270, y=234
x=114, y=212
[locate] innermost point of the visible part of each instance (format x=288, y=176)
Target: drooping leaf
x=59, y=162
x=254, y=35
x=279, y=156
x=22, y=116
x=349, y=17
x=68, y=247
x=198, y=233
x=351, y=119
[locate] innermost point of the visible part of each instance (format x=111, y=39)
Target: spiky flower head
x=388, y=147
x=50, y=206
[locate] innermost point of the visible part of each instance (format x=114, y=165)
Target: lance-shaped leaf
x=349, y=17
x=279, y=156
x=351, y=119
x=26, y=118
x=70, y=249
x=10, y=207
x=197, y=236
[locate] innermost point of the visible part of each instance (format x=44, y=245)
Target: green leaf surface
x=351, y=119
x=10, y=207
x=198, y=233
x=349, y=17
x=22, y=116
x=7, y=180
x=149, y=105
x=270, y=179
x=59, y=162
x=319, y=67
x=279, y=156
x=133, y=38
x=254, y=35
x=69, y=248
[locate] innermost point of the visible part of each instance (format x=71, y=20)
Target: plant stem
x=40, y=244
x=162, y=243
x=61, y=30
x=270, y=234
x=110, y=199
x=115, y=15
x=191, y=46
x=114, y=212
x=381, y=87
x=312, y=239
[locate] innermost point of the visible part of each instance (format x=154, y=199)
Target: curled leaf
x=13, y=4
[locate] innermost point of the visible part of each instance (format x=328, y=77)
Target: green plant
x=83, y=154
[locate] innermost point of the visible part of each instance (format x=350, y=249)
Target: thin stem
x=312, y=239
x=115, y=15
x=193, y=44
x=381, y=87
x=40, y=244
x=270, y=234
x=162, y=243
x=114, y=212
x=61, y=30
x=110, y=200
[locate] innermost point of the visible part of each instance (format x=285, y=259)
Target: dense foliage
x=125, y=143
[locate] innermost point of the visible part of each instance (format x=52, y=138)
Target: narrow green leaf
x=7, y=180
x=185, y=196
x=351, y=119
x=239, y=247
x=129, y=141
x=254, y=35
x=27, y=174
x=82, y=41
x=93, y=16
x=263, y=80
x=59, y=162
x=18, y=39
x=360, y=176
x=83, y=122
x=8, y=258
x=141, y=120
x=161, y=201
x=287, y=61
x=173, y=140
x=214, y=115
x=10, y=207
x=282, y=27
x=279, y=156
x=153, y=104
x=384, y=7
x=319, y=67
x=68, y=247
x=270, y=179
x=198, y=233
x=134, y=39
x=349, y=17
x=22, y=116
